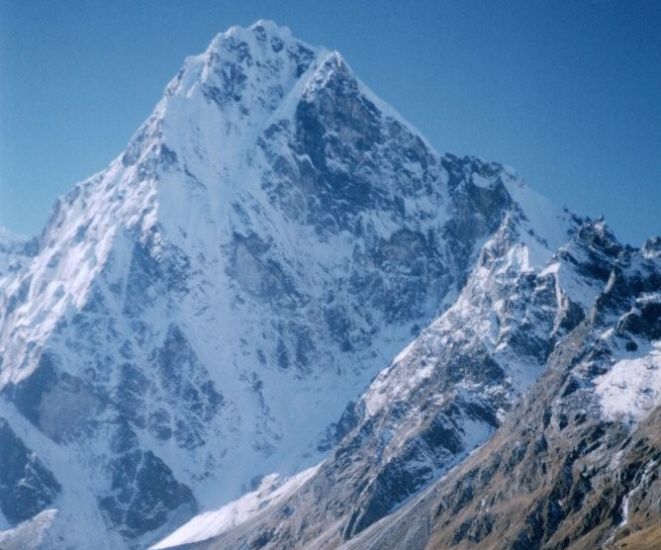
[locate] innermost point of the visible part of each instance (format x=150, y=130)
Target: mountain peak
x=263, y=32
x=269, y=26
x=331, y=65
x=652, y=247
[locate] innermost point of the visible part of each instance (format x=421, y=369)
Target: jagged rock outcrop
x=571, y=467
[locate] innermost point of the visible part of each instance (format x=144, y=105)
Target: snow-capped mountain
x=278, y=277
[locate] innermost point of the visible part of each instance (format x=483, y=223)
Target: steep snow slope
x=272, y=490
x=199, y=313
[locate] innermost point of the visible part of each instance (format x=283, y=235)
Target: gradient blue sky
x=566, y=92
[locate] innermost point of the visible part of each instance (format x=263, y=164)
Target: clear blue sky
x=566, y=92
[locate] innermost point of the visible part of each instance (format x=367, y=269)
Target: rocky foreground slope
x=576, y=464
x=280, y=319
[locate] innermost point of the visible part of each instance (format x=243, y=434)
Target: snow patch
x=632, y=388
x=272, y=490
x=32, y=533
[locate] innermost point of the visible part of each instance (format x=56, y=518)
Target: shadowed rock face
x=183, y=379
x=143, y=492
x=60, y=405
x=26, y=486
